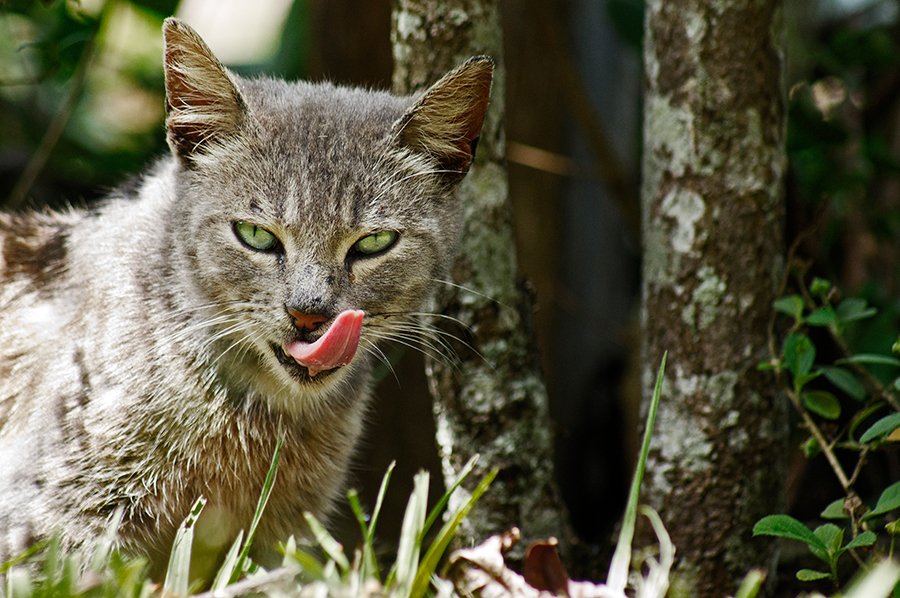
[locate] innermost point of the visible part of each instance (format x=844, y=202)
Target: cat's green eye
x=376, y=242
x=255, y=237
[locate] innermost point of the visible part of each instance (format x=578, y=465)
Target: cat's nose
x=306, y=321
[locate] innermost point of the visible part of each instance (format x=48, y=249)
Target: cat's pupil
x=255, y=236
x=376, y=242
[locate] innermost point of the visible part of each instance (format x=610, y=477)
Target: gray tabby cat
x=151, y=348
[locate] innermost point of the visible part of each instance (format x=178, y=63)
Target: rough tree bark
x=713, y=213
x=493, y=401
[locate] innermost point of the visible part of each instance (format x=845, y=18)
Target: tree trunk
x=493, y=401
x=713, y=220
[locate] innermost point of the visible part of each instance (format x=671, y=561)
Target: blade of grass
x=439, y=507
x=332, y=547
x=240, y=565
x=178, y=574
x=226, y=571
x=310, y=567
x=402, y=574
x=618, y=569
x=370, y=534
x=100, y=556
x=439, y=546
x=24, y=556
x=368, y=563
x=877, y=582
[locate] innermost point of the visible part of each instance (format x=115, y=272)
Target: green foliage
x=825, y=542
x=851, y=396
x=411, y=574
x=47, y=571
x=69, y=129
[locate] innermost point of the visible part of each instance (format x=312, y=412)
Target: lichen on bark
x=712, y=204
x=493, y=401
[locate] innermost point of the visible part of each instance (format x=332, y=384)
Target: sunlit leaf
x=811, y=575
x=178, y=572
x=867, y=538
x=832, y=537
x=332, y=547
x=785, y=526
x=835, y=510
x=882, y=427
x=888, y=501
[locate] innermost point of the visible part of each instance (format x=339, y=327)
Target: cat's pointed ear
x=445, y=123
x=203, y=106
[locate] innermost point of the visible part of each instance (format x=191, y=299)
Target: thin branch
x=824, y=444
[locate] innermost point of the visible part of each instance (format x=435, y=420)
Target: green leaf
x=853, y=309
x=845, y=381
x=370, y=535
x=820, y=287
x=791, y=305
x=785, y=526
x=621, y=560
x=867, y=538
x=751, y=584
x=310, y=566
x=861, y=417
x=810, y=575
x=178, y=574
x=369, y=565
x=822, y=317
x=834, y=510
x=799, y=353
x=831, y=536
x=822, y=403
x=893, y=528
x=810, y=447
x=332, y=547
x=244, y=557
x=872, y=358
x=402, y=575
x=436, y=551
x=439, y=507
x=882, y=427
x=228, y=568
x=888, y=501
x=803, y=379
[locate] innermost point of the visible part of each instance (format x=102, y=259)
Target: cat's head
x=313, y=217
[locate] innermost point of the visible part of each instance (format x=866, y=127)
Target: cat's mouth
x=298, y=371
x=334, y=349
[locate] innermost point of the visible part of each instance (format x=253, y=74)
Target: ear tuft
x=445, y=122
x=202, y=103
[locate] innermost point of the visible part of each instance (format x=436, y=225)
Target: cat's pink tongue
x=334, y=348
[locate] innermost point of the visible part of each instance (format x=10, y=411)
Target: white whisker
x=470, y=290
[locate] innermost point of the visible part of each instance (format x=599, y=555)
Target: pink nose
x=306, y=321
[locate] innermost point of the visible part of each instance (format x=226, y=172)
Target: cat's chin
x=298, y=372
